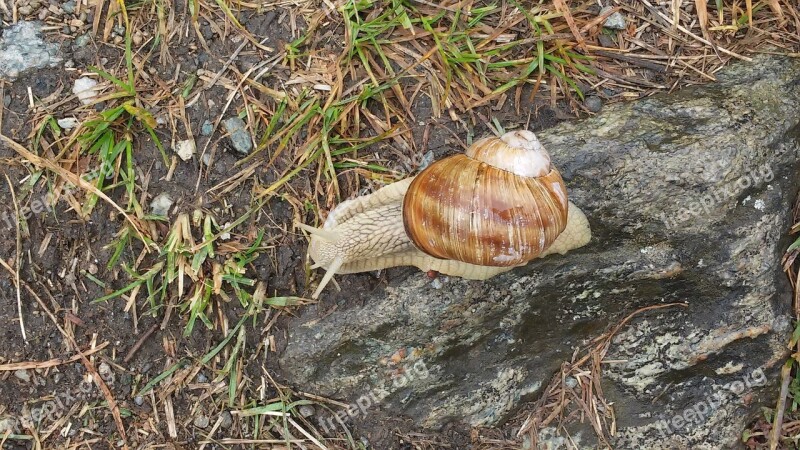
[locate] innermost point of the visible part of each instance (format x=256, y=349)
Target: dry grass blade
x=17, y=257
x=51, y=362
x=75, y=180
x=562, y=7
x=558, y=397
x=701, y=6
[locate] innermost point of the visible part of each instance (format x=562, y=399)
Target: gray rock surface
x=238, y=134
x=689, y=196
x=22, y=48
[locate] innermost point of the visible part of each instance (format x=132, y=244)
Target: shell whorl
x=501, y=204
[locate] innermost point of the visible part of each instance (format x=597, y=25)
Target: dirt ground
x=215, y=387
x=57, y=404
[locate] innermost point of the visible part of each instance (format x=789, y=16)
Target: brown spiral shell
x=465, y=209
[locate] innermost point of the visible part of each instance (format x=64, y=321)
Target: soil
x=59, y=248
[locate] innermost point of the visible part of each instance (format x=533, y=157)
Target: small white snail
x=474, y=215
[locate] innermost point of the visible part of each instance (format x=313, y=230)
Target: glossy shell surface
x=464, y=209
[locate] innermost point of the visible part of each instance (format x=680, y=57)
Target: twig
x=112, y=402
x=17, y=259
x=139, y=343
x=663, y=16
x=50, y=362
x=777, y=425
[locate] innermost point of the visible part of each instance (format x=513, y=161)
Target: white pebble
x=68, y=123
x=86, y=89
x=185, y=149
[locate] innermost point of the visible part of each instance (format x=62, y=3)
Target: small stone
x=615, y=21
x=104, y=370
x=206, y=158
x=606, y=41
x=25, y=10
x=85, y=89
x=139, y=400
x=43, y=13
x=22, y=48
x=120, y=30
x=593, y=103
x=207, y=128
x=240, y=138
x=201, y=421
x=69, y=6
x=7, y=424
x=6, y=101
x=82, y=40
x=161, y=204
x=227, y=419
x=185, y=149
x=202, y=378
x=306, y=410
x=118, y=40
x=436, y=283
x=22, y=375
x=68, y=123
x=571, y=382
x=69, y=64
x=93, y=269
x=427, y=159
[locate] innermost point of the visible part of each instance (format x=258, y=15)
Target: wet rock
x=22, y=49
x=663, y=182
x=238, y=134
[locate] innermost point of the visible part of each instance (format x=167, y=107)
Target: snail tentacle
x=330, y=236
x=330, y=271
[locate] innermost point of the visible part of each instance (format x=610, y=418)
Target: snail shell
x=500, y=204
x=473, y=216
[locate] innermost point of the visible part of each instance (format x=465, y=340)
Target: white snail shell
x=474, y=215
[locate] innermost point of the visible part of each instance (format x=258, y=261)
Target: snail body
x=472, y=215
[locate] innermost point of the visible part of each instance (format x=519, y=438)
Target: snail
x=472, y=215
